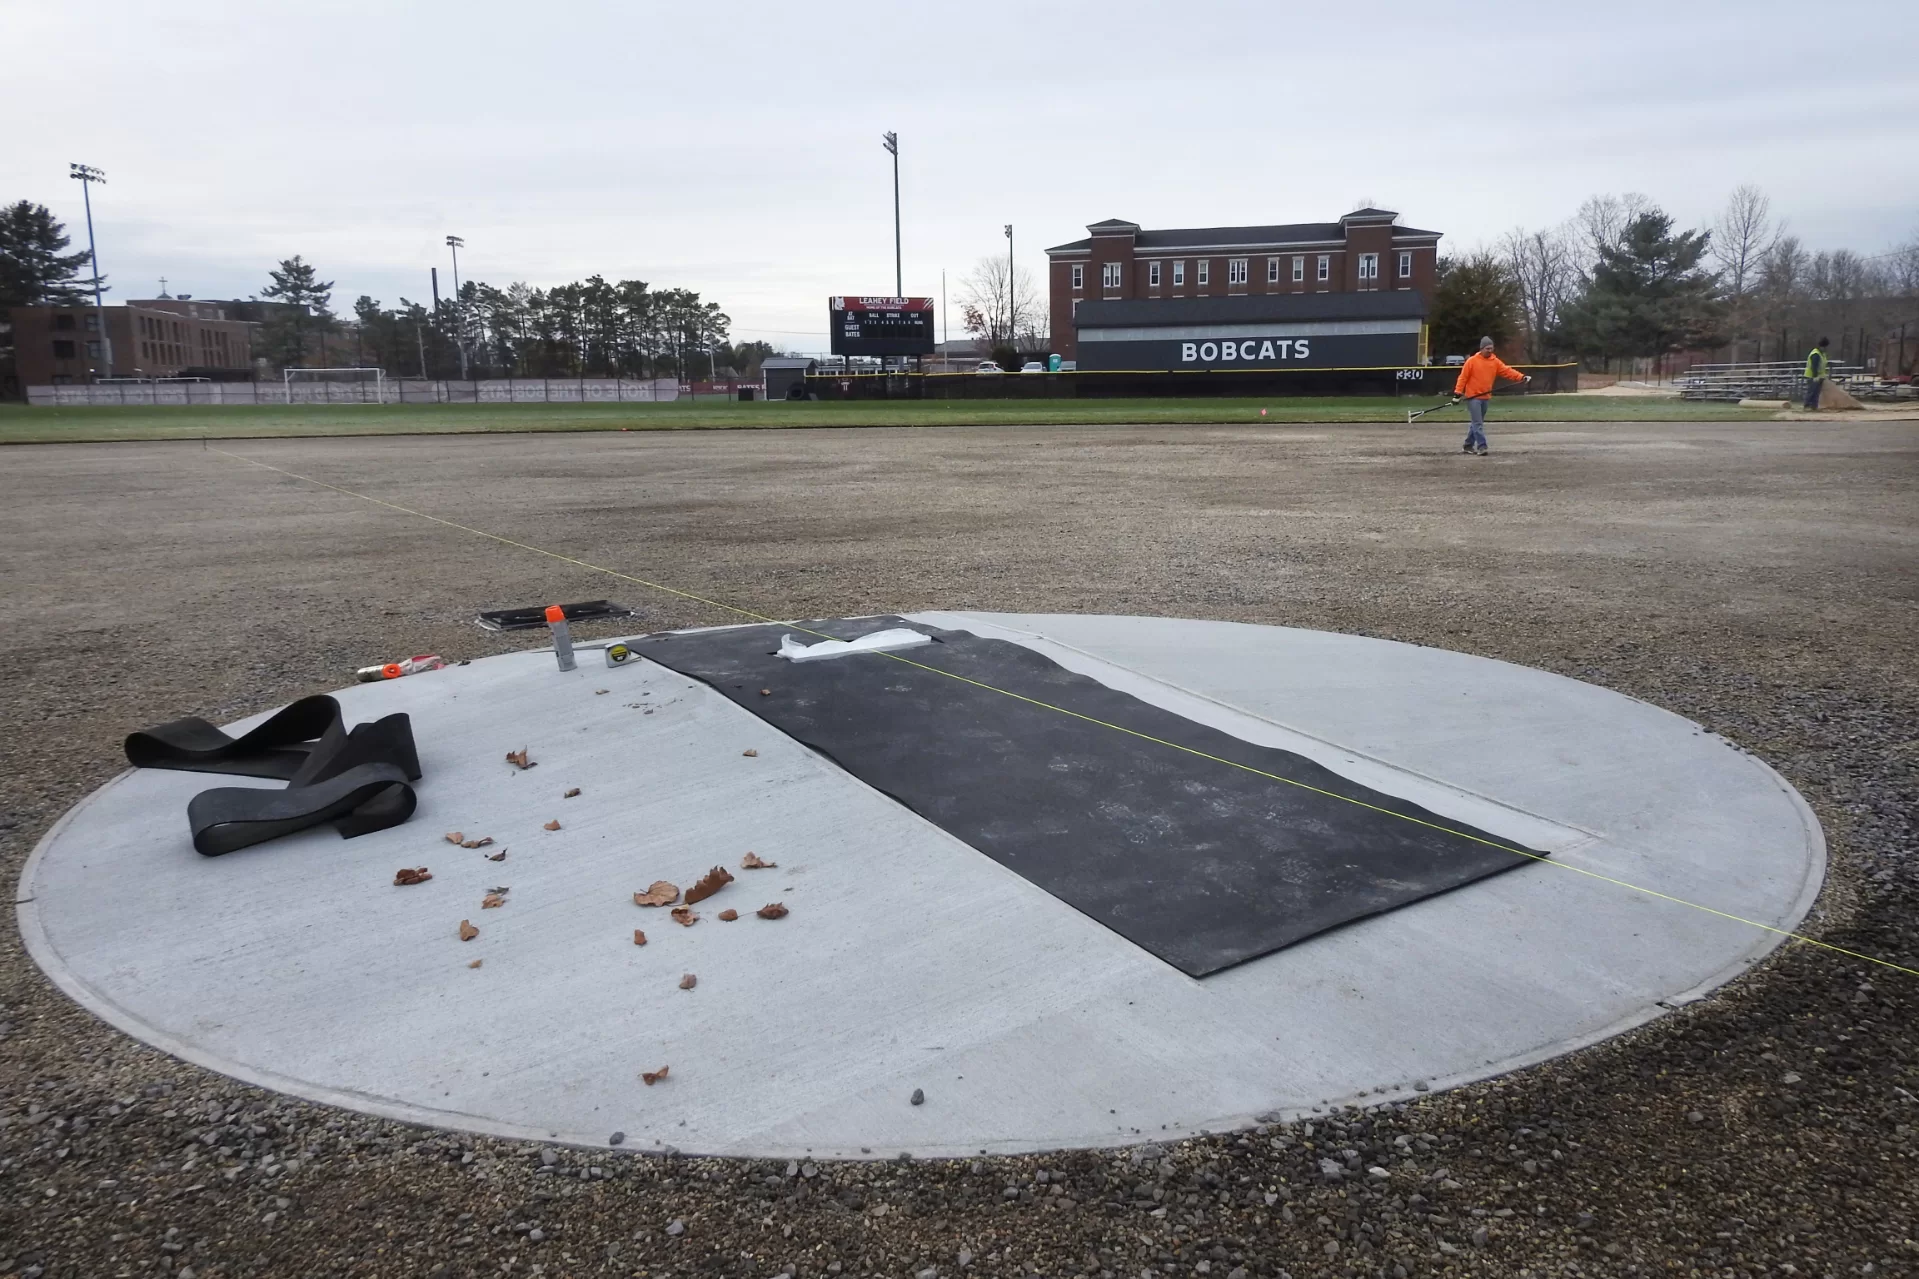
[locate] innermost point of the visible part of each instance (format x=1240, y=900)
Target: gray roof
x=1277, y=308
x=1227, y=237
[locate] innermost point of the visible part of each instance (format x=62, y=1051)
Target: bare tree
x=997, y=314
x=1743, y=236
x=1599, y=224
x=1542, y=262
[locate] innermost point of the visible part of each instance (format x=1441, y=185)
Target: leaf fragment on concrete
x=660, y=893
x=554, y=824
x=750, y=753
x=684, y=915
x=766, y=692
x=474, y=964
x=772, y=910
x=412, y=875
x=519, y=760
x=752, y=861
x=654, y=1076
x=497, y=857
x=481, y=842
x=467, y=931
x=571, y=793
x=455, y=837
x=639, y=938
x=711, y=882
x=491, y=900
x=688, y=981
x=729, y=915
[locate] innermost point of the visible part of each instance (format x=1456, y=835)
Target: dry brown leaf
x=519, y=760
x=412, y=875
x=654, y=1076
x=467, y=931
x=688, y=981
x=554, y=824
x=711, y=882
x=454, y=837
x=766, y=692
x=659, y=893
x=491, y=900
x=570, y=794
x=497, y=857
x=752, y=862
x=772, y=910
x=639, y=938
x=481, y=842
x=684, y=915
x=729, y=915
x=598, y=691
x=474, y=964
x=750, y=753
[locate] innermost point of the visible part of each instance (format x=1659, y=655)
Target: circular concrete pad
x=909, y=960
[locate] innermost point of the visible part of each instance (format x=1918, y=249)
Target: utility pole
x=86, y=175
x=455, y=243
x=946, y=331
x=1012, y=294
x=892, y=144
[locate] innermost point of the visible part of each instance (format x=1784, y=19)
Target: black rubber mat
x=357, y=779
x=1203, y=864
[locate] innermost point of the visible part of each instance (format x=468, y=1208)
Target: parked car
x=1032, y=366
x=988, y=366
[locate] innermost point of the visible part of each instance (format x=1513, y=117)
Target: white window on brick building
x=1079, y=275
x=1236, y=271
x=1369, y=266
x=1272, y=270
x=1405, y=266
x=1205, y=270
x=1109, y=275
x=1299, y=269
x=1152, y=274
x=1179, y=274
x=1325, y=267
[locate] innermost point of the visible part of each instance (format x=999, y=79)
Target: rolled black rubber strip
x=356, y=779
x=276, y=748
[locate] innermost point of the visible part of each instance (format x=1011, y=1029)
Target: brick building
x=1217, y=276
x=159, y=337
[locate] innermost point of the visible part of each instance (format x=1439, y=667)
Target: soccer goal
x=336, y=386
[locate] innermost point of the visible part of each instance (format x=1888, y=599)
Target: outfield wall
x=1422, y=381
x=523, y=390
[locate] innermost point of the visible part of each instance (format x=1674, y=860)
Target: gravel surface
x=1758, y=578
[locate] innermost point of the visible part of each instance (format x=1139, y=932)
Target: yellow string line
x=1117, y=728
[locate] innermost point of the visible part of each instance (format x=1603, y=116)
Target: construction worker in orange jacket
x=1475, y=384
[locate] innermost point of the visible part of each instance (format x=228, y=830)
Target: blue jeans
x=1476, y=424
x=1812, y=391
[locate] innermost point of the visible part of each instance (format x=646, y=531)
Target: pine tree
x=1649, y=294
x=1474, y=298
x=33, y=270
x=305, y=299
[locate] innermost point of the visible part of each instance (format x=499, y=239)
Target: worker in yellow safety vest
x=1818, y=368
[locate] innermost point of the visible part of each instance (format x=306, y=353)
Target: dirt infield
x=1757, y=577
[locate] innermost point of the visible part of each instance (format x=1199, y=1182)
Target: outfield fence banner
x=523, y=390
x=1426, y=381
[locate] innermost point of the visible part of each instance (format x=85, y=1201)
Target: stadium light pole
x=892, y=144
x=1012, y=294
x=455, y=243
x=86, y=175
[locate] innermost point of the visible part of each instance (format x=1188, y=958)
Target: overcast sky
x=735, y=149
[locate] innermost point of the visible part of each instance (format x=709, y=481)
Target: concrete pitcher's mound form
x=1109, y=953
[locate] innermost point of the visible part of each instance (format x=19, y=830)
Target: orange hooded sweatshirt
x=1477, y=373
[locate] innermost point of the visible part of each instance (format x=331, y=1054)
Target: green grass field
x=22, y=425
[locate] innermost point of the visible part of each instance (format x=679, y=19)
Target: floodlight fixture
x=891, y=141
x=456, y=243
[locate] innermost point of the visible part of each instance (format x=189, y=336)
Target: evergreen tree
x=1472, y=298
x=1649, y=294
x=33, y=270
x=304, y=297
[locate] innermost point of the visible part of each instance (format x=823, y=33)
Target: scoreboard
x=881, y=326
